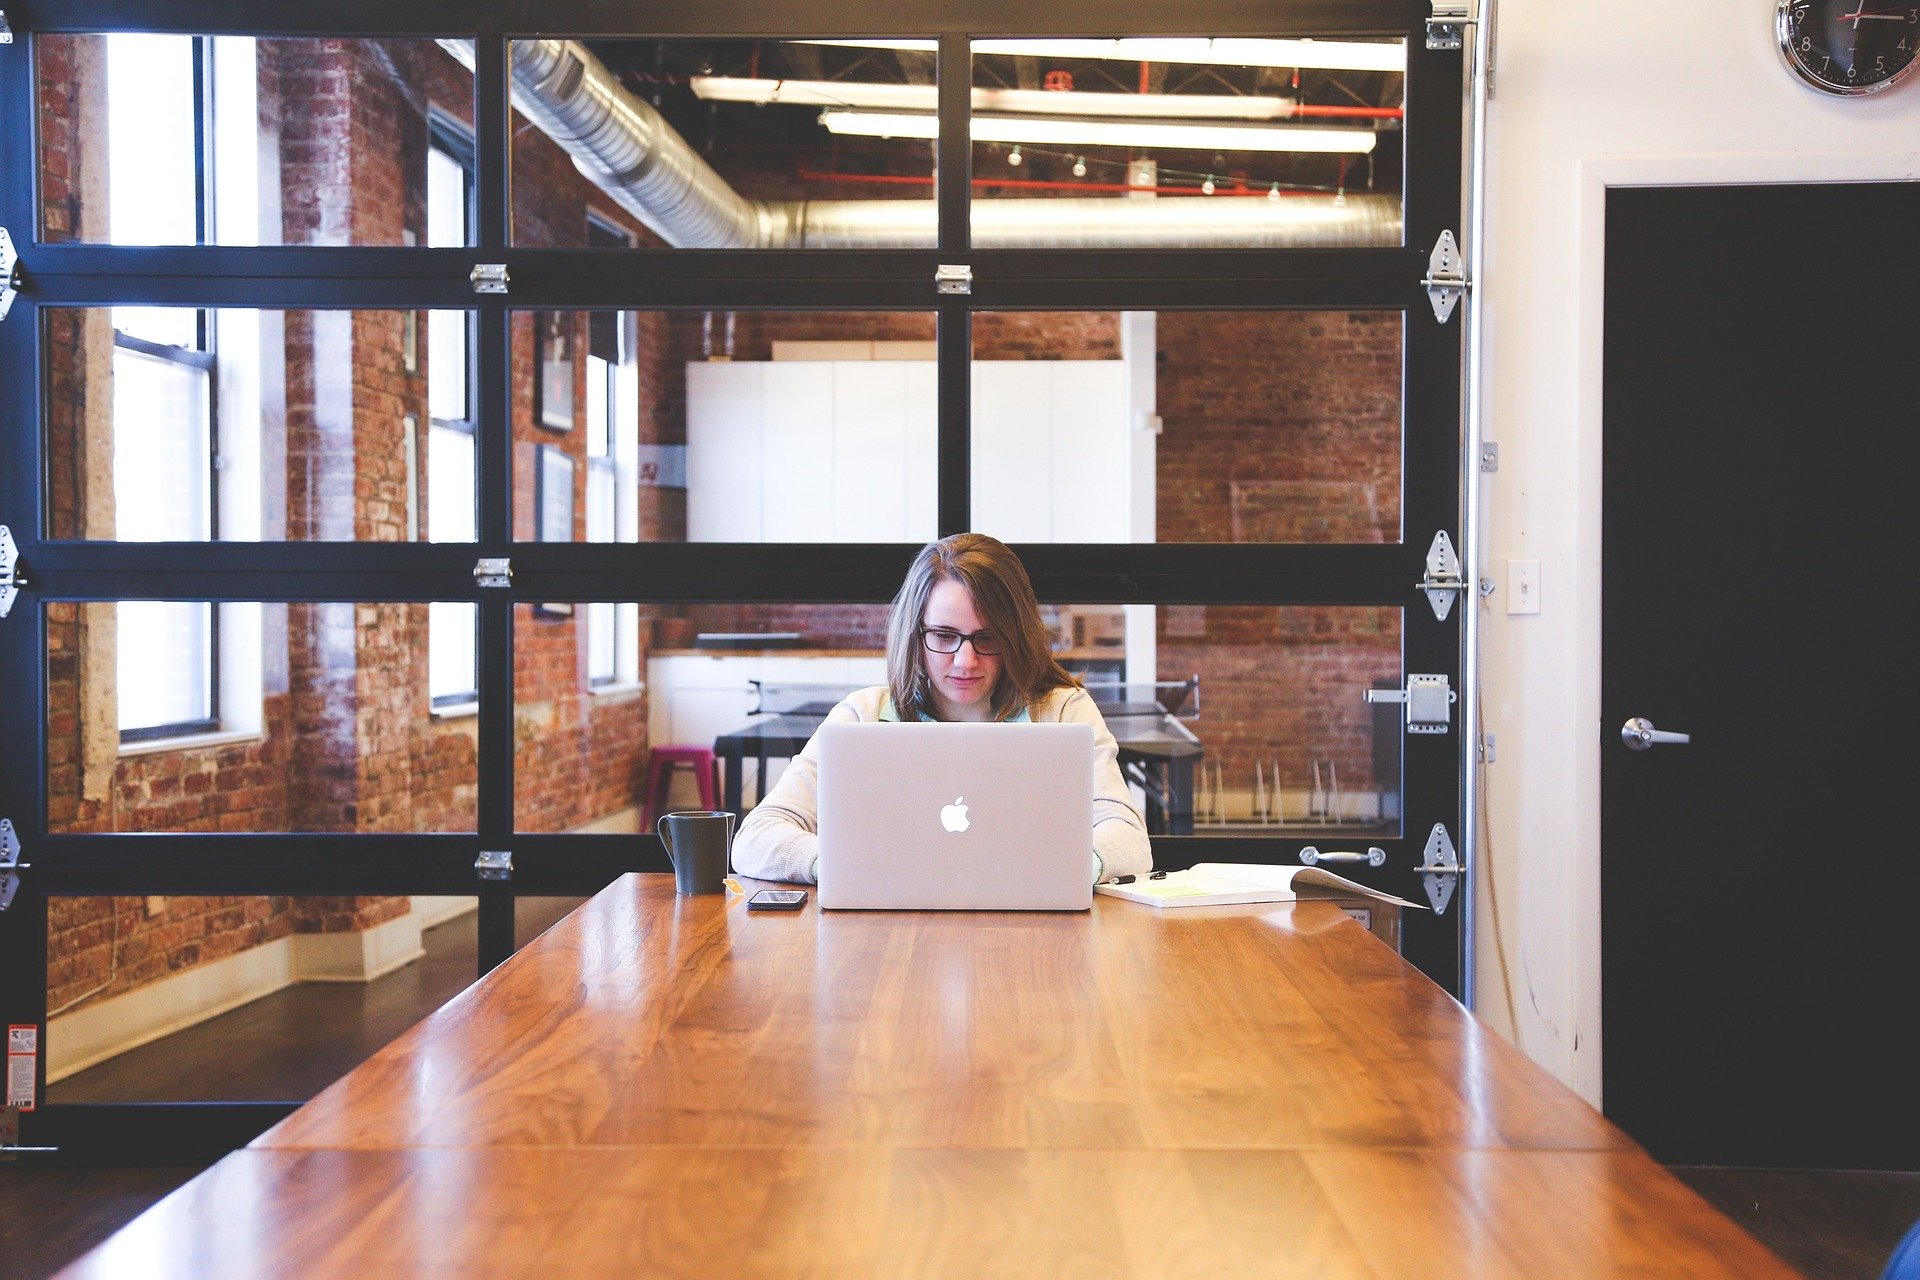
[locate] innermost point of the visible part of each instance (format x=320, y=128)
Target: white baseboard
x=431, y=911
x=85, y=1037
x=357, y=957
x=621, y=822
x=90, y=1035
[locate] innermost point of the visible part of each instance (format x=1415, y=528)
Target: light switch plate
x=1523, y=586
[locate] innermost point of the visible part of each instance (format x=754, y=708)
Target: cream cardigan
x=777, y=842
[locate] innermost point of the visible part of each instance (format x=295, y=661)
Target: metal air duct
x=630, y=151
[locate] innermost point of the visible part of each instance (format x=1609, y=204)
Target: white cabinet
x=1013, y=463
x=796, y=415
x=846, y=451
x=725, y=454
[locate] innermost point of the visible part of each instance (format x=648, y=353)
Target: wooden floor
x=1832, y=1226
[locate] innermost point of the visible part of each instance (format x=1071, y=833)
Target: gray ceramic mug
x=697, y=843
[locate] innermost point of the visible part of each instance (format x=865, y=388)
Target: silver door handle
x=1640, y=734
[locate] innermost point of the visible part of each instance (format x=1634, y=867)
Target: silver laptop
x=956, y=817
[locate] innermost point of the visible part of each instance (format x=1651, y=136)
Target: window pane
x=325, y=721
x=1187, y=426
x=453, y=652
x=447, y=184
x=187, y=999
x=319, y=420
x=165, y=664
x=450, y=473
x=447, y=365
x=151, y=118
x=749, y=426
x=301, y=141
x=1231, y=720
x=1187, y=143
x=727, y=144
x=162, y=457
x=603, y=640
x=582, y=763
x=1278, y=710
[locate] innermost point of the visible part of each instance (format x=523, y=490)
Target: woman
x=964, y=642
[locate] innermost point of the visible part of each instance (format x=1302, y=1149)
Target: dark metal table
x=1157, y=752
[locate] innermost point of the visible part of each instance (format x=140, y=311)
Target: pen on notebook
x=1121, y=880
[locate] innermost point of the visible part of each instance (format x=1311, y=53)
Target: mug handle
x=659, y=825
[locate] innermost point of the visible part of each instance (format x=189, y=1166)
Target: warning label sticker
x=23, y=1060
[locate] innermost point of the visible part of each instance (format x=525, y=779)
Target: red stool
x=662, y=762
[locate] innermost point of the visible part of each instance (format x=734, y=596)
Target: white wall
x=1633, y=92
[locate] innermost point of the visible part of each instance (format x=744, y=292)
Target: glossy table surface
x=673, y=1086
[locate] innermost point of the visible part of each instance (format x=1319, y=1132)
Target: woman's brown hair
x=1003, y=597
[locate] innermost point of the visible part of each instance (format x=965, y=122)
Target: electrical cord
x=113, y=964
x=1485, y=861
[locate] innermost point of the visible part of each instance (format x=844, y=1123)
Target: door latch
x=1640, y=735
x=952, y=278
x=1375, y=856
x=1429, y=701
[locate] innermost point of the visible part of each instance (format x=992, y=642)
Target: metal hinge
x=9, y=273
x=1440, y=869
x=10, y=580
x=1429, y=701
x=494, y=864
x=952, y=278
x=489, y=277
x=1442, y=581
x=1447, y=28
x=10, y=863
x=1446, y=277
x=6, y=32
x=493, y=572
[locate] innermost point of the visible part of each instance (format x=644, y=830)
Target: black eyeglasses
x=941, y=640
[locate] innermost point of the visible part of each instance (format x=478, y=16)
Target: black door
x=1758, y=880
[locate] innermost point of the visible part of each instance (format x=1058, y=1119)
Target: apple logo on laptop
x=954, y=816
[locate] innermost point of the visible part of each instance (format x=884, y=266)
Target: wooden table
x=666, y=1086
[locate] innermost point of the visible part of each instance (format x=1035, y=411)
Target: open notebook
x=1211, y=884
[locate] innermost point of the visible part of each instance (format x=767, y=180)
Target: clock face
x=1850, y=46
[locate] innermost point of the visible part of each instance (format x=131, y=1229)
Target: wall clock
x=1849, y=47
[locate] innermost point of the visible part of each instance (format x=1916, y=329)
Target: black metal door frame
x=93, y=275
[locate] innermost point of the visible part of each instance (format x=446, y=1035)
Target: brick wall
x=349, y=742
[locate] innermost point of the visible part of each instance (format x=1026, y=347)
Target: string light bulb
x=1206, y=188
x=1273, y=193
x=1079, y=166
x=1014, y=157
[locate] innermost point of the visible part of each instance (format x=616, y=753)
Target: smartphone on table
x=777, y=900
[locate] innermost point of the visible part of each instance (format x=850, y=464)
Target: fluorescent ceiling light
x=1332, y=55
x=1107, y=133
x=1035, y=102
